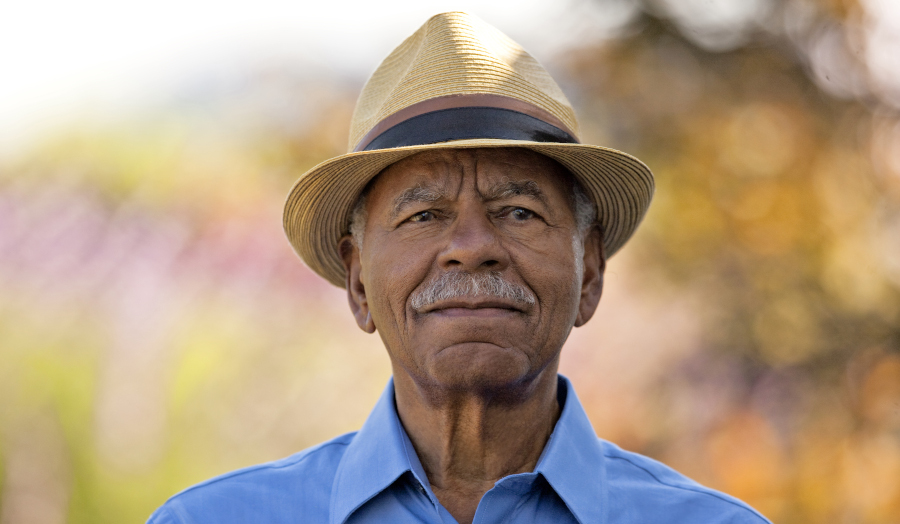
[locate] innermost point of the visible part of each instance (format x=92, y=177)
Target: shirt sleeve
x=748, y=517
x=163, y=516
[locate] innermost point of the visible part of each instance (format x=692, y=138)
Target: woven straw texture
x=453, y=54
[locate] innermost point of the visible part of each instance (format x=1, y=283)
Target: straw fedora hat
x=457, y=82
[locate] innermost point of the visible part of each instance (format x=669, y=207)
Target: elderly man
x=470, y=230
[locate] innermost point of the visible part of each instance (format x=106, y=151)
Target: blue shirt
x=374, y=476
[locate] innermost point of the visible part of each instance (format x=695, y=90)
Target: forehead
x=448, y=168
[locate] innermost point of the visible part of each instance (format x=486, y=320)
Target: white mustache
x=463, y=284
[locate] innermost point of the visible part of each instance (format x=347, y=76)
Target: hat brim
x=318, y=207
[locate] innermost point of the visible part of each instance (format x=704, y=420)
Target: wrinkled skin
x=474, y=377
x=527, y=240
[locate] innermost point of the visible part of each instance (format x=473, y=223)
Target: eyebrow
x=507, y=189
x=417, y=194
x=511, y=188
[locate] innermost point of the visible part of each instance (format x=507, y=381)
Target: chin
x=480, y=367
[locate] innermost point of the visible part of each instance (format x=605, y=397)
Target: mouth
x=472, y=308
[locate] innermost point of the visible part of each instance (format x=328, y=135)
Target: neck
x=467, y=440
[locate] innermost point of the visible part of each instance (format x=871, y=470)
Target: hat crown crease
x=453, y=62
x=451, y=54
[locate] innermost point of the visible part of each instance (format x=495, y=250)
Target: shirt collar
x=572, y=460
x=374, y=459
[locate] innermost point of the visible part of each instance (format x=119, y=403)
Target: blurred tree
x=155, y=328
x=773, y=202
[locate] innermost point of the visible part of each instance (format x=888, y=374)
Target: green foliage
x=156, y=329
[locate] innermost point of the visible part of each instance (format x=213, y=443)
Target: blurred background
x=156, y=328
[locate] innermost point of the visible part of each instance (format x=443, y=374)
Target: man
x=470, y=230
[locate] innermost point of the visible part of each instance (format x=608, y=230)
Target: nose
x=474, y=243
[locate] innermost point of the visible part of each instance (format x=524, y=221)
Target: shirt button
x=421, y=489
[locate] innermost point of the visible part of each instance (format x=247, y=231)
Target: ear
x=592, y=281
x=356, y=291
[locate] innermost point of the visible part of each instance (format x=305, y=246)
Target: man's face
x=490, y=215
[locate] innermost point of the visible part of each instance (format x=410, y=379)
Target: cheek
x=553, y=271
x=390, y=273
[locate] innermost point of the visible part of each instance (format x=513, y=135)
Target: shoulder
x=644, y=490
x=282, y=490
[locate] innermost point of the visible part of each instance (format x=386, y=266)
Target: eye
x=421, y=216
x=521, y=214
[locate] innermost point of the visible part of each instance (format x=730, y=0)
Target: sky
x=61, y=61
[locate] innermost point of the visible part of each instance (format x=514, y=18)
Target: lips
x=473, y=307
